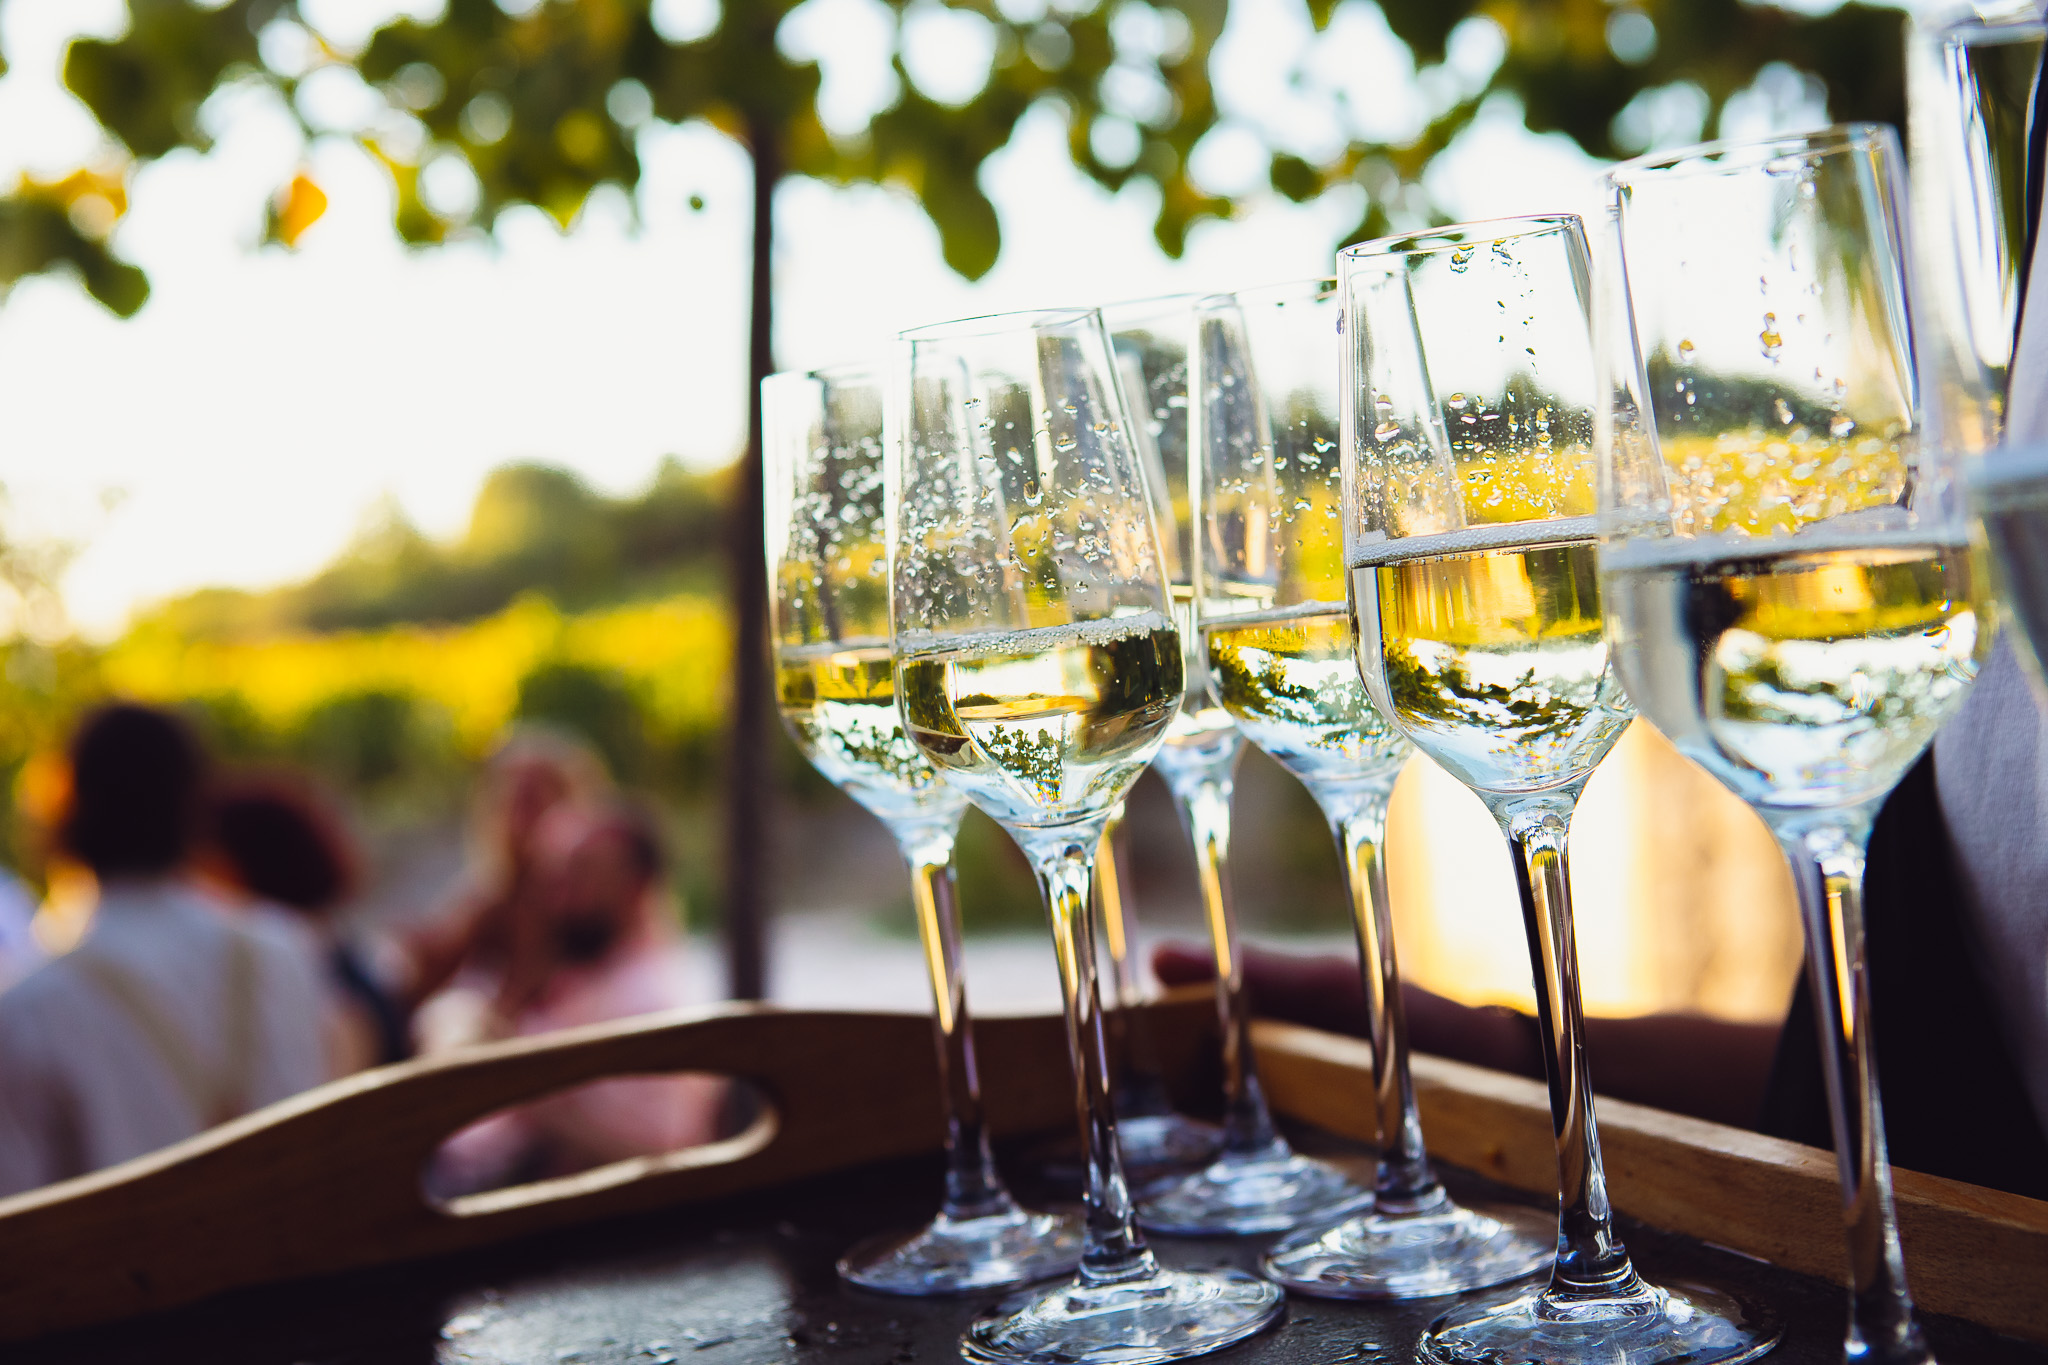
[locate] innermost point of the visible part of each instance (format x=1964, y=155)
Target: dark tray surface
x=750, y=1282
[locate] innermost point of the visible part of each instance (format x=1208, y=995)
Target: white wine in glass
x=1044, y=725
x=1490, y=650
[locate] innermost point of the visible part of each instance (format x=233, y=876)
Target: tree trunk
x=749, y=779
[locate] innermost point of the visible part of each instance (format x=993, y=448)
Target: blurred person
x=603, y=945
x=280, y=847
x=532, y=772
x=171, y=1015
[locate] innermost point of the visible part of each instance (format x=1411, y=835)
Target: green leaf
x=1295, y=178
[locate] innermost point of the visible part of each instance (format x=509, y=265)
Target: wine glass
x=1785, y=562
x=1038, y=668
x=1974, y=93
x=829, y=608
x=1157, y=1141
x=1257, y=1183
x=1469, y=491
x=1277, y=641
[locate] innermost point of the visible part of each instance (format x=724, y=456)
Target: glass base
x=1444, y=1250
x=956, y=1256
x=1171, y=1315
x=1674, y=1325
x=1274, y=1191
x=1159, y=1144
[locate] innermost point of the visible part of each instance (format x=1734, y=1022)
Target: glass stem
x=1827, y=866
x=1591, y=1261
x=1064, y=859
x=973, y=1189
x=1405, y=1183
x=1203, y=795
x=1140, y=1089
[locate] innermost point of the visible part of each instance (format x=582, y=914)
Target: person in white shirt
x=171, y=1015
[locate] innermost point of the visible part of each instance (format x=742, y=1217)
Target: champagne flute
x=1469, y=390
x=1973, y=78
x=1151, y=360
x=1257, y=1183
x=1157, y=1142
x=1038, y=668
x=1790, y=589
x=829, y=604
x=1277, y=633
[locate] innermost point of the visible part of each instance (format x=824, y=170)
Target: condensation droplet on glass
x=1807, y=189
x=1841, y=426
x=1783, y=409
x=1768, y=339
x=1386, y=431
x=1456, y=401
x=1460, y=259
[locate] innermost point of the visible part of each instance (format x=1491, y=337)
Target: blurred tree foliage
x=540, y=101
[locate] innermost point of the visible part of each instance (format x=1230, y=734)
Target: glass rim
x=1279, y=292
x=1707, y=158
x=1454, y=235
x=837, y=373
x=1148, y=307
x=993, y=324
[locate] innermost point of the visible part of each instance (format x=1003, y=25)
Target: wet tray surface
x=749, y=1281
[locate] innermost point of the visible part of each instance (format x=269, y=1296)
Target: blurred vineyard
x=394, y=672
x=402, y=710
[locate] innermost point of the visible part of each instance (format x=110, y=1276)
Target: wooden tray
x=328, y=1183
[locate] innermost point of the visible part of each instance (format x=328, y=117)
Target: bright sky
x=240, y=427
